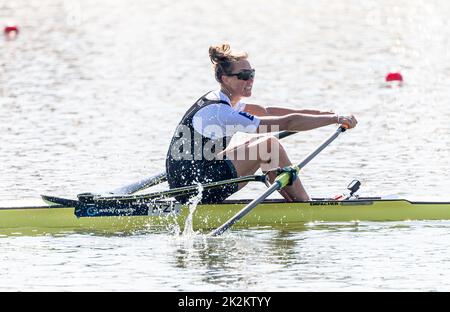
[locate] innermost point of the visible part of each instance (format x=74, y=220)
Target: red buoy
x=394, y=77
x=11, y=31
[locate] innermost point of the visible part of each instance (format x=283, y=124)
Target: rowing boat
x=45, y=218
x=122, y=211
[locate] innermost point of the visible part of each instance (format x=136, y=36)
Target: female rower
x=199, y=151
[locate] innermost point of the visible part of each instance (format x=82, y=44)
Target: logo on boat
x=92, y=212
x=324, y=203
x=95, y=211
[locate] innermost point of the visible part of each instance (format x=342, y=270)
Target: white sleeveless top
x=219, y=120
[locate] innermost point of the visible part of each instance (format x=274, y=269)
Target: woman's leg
x=268, y=154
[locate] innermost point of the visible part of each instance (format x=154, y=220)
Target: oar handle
x=283, y=134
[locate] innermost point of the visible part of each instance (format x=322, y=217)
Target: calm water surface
x=323, y=257
x=90, y=93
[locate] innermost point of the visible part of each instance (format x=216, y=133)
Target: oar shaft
x=281, y=181
x=321, y=147
x=244, y=211
x=184, y=190
x=142, y=184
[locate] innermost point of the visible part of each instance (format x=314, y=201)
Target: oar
x=281, y=181
x=162, y=177
x=184, y=190
x=140, y=185
x=128, y=189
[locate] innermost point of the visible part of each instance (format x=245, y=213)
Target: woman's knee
x=270, y=148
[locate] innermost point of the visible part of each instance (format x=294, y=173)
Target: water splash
x=193, y=202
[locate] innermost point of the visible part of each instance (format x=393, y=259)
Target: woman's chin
x=247, y=93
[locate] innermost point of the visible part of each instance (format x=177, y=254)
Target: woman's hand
x=350, y=121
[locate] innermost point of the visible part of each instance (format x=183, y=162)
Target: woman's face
x=239, y=87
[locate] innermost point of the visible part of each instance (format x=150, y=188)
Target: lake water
x=90, y=93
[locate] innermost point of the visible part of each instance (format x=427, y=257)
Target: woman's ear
x=225, y=79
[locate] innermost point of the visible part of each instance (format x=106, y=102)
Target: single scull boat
x=123, y=211
x=116, y=218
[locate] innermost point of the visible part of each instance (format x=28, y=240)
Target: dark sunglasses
x=246, y=74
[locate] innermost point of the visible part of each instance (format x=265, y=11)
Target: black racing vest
x=189, y=151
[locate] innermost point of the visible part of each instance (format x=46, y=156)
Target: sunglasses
x=246, y=74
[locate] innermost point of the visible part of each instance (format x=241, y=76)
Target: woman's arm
x=261, y=111
x=280, y=111
x=303, y=122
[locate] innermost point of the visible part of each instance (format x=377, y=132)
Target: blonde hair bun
x=223, y=58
